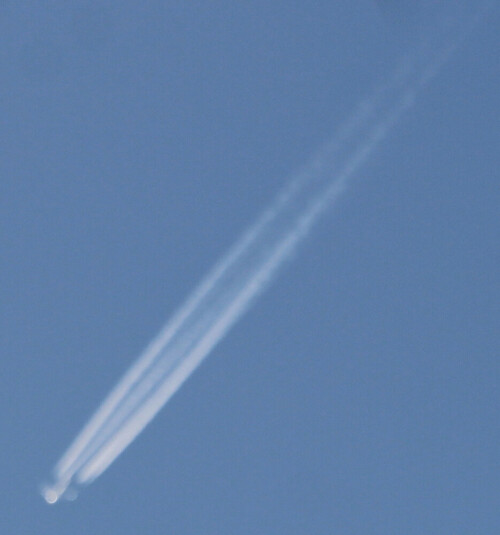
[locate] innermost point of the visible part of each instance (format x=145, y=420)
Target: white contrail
x=229, y=290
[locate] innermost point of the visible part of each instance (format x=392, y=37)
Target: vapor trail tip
x=53, y=493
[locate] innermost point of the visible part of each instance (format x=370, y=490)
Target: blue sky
x=360, y=394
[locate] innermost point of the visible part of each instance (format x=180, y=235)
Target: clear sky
x=360, y=394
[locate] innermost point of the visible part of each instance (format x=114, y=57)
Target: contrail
x=245, y=272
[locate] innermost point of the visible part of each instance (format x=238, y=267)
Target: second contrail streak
x=230, y=289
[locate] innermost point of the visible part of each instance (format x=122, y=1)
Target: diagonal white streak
x=199, y=299
x=230, y=289
x=235, y=308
